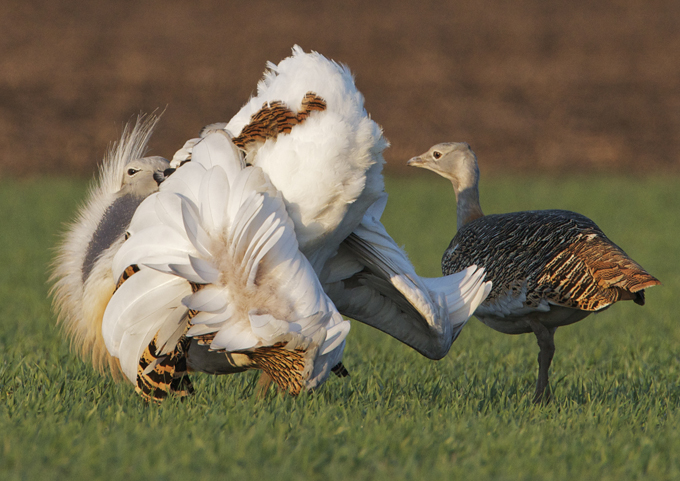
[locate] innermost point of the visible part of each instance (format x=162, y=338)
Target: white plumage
x=328, y=167
x=223, y=228
x=83, y=282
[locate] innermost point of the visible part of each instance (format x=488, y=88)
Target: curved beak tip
x=159, y=176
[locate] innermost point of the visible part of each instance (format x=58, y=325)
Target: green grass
x=399, y=416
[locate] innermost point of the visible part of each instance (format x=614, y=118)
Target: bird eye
x=436, y=154
x=132, y=172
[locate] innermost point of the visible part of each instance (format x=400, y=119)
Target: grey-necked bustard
x=81, y=275
x=549, y=268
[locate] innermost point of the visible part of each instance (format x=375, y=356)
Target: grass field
x=399, y=416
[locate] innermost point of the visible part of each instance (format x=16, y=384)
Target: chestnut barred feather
x=160, y=374
x=276, y=118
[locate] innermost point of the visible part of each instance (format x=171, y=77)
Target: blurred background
x=533, y=85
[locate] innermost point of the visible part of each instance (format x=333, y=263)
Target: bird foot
x=542, y=396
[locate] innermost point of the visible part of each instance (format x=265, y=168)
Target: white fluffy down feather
x=329, y=167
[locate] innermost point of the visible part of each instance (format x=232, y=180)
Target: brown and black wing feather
x=161, y=374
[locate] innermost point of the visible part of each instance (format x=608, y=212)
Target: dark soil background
x=532, y=85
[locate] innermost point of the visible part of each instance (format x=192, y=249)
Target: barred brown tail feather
x=168, y=374
x=127, y=273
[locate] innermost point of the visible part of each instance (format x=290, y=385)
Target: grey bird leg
x=546, y=343
x=263, y=385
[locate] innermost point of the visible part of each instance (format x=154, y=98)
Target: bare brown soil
x=541, y=85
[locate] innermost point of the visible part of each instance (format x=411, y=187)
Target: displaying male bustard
x=82, y=277
x=549, y=268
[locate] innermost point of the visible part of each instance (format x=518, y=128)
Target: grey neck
x=468, y=208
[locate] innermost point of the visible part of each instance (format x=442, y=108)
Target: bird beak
x=159, y=176
x=416, y=162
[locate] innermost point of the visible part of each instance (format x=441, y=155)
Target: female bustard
x=549, y=268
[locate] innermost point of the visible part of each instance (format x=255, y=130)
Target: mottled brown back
x=563, y=257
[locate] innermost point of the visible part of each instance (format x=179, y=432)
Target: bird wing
x=592, y=273
x=372, y=280
x=539, y=259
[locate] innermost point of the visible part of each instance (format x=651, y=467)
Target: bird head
x=143, y=176
x=452, y=160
